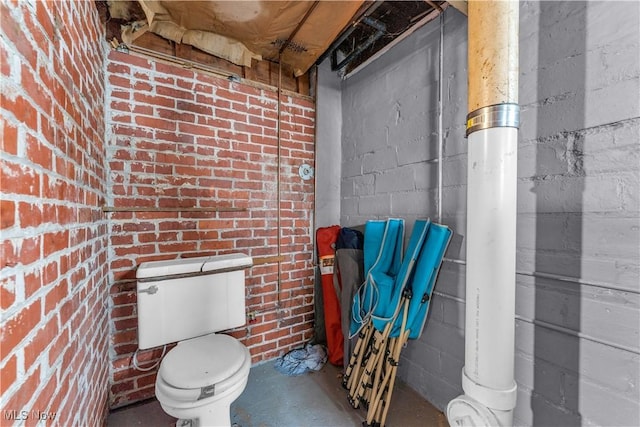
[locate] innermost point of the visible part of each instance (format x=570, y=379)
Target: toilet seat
x=201, y=368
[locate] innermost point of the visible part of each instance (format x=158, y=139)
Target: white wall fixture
x=305, y=171
x=492, y=131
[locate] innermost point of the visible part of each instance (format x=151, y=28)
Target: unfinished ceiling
x=377, y=26
x=297, y=34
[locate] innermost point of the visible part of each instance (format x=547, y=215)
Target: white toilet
x=187, y=301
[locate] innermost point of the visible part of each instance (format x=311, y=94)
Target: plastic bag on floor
x=299, y=361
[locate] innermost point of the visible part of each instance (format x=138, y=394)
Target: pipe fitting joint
x=464, y=411
x=482, y=406
x=502, y=400
x=492, y=116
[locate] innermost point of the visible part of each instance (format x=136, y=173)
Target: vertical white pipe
x=488, y=374
x=440, y=114
x=491, y=245
x=492, y=129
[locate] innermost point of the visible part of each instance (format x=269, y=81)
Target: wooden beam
x=461, y=5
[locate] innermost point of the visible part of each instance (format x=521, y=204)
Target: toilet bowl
x=188, y=301
x=201, y=377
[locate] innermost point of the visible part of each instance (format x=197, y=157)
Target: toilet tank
x=189, y=297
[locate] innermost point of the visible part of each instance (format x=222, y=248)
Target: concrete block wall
x=179, y=138
x=578, y=260
x=53, y=271
x=578, y=242
x=389, y=134
x=328, y=146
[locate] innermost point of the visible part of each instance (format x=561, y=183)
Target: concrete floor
x=311, y=400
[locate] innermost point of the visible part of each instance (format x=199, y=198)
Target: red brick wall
x=180, y=138
x=53, y=270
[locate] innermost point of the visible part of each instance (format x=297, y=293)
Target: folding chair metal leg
x=362, y=356
x=392, y=377
x=379, y=369
x=356, y=357
x=391, y=366
x=377, y=351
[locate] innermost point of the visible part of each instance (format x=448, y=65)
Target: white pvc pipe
x=492, y=130
x=488, y=374
x=440, y=113
x=491, y=234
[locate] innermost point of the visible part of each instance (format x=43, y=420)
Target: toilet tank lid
x=227, y=262
x=169, y=267
x=208, y=264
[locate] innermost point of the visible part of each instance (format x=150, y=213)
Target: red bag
x=326, y=238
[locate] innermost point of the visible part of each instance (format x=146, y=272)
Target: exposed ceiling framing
x=294, y=35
